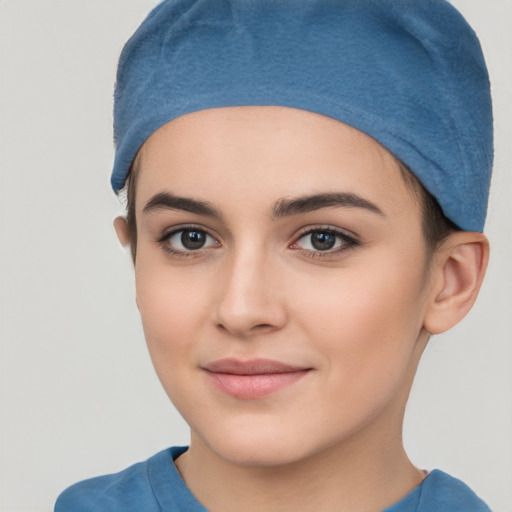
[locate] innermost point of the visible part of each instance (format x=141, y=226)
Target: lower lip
x=250, y=387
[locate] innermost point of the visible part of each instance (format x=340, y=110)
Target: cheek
x=365, y=322
x=173, y=312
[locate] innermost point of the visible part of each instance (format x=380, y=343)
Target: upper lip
x=251, y=367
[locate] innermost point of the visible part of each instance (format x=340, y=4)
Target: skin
x=357, y=317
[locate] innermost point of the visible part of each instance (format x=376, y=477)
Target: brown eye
x=187, y=240
x=323, y=240
x=193, y=239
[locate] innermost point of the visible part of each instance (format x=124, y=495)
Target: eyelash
x=347, y=242
x=163, y=241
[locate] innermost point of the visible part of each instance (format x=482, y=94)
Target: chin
x=257, y=455
x=264, y=445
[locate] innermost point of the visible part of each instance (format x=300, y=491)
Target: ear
x=121, y=227
x=457, y=274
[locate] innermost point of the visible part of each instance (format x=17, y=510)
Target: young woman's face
x=282, y=280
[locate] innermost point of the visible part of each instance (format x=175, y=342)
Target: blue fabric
x=410, y=73
x=156, y=485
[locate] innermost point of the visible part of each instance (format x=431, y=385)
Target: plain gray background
x=78, y=394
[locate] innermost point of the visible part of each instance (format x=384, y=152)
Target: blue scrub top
x=156, y=486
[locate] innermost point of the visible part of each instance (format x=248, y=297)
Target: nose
x=250, y=297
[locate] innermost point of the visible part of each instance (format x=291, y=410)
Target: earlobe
x=122, y=232
x=458, y=272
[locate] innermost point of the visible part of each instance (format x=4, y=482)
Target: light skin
x=278, y=234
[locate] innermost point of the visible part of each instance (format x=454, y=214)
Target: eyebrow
x=168, y=201
x=296, y=206
x=282, y=208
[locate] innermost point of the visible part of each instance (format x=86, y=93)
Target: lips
x=252, y=379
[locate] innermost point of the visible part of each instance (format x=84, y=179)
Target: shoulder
x=126, y=491
x=441, y=492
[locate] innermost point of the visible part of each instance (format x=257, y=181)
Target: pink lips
x=252, y=379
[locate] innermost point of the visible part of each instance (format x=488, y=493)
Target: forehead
x=268, y=153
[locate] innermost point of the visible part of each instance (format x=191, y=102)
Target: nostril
x=258, y=328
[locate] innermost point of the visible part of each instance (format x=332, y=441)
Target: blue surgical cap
x=409, y=73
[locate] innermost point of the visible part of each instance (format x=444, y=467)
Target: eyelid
x=349, y=241
x=163, y=240
x=343, y=232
